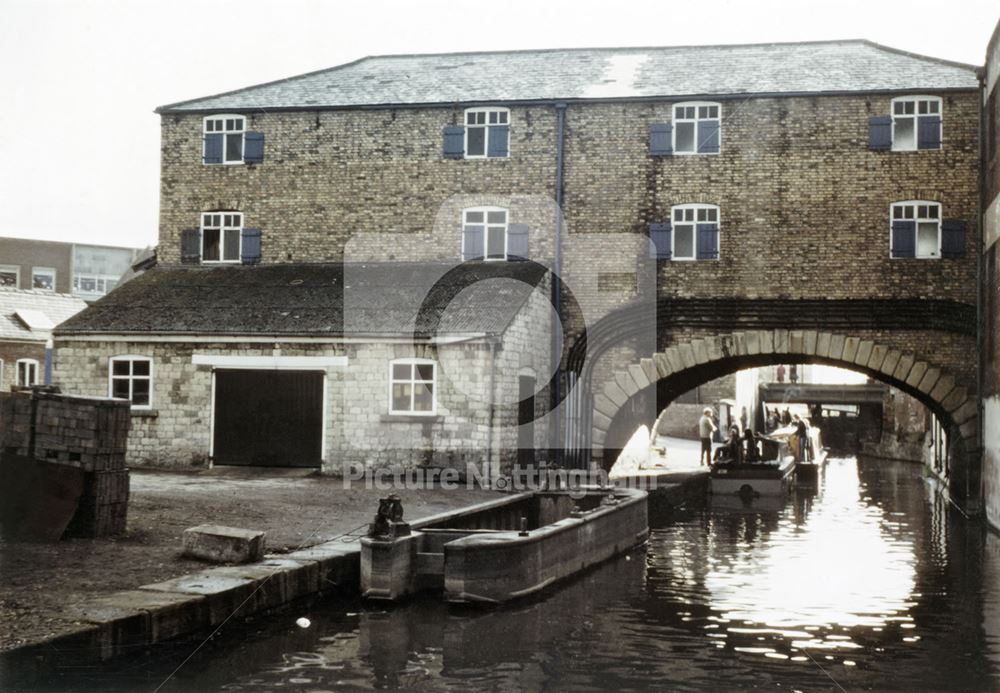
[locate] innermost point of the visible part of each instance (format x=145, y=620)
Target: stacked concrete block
x=88, y=433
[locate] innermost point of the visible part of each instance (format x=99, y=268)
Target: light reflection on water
x=869, y=583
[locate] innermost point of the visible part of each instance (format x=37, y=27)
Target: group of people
x=745, y=449
x=773, y=418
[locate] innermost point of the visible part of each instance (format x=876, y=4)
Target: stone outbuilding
x=340, y=366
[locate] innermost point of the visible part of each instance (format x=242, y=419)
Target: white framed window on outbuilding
x=131, y=377
x=413, y=387
x=26, y=373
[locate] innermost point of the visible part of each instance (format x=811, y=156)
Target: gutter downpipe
x=556, y=331
x=980, y=298
x=489, y=429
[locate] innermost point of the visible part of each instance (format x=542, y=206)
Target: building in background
x=27, y=317
x=87, y=271
x=990, y=339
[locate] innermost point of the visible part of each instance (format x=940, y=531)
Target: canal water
x=872, y=582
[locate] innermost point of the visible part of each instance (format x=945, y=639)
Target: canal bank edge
x=129, y=621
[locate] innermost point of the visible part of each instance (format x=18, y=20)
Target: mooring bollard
x=524, y=527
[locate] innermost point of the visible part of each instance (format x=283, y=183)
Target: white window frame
x=502, y=114
x=16, y=269
x=51, y=271
x=695, y=207
x=1, y=374
x=915, y=205
x=413, y=362
x=131, y=377
x=918, y=102
x=486, y=230
x=101, y=282
x=222, y=228
x=697, y=119
x=225, y=124
x=34, y=367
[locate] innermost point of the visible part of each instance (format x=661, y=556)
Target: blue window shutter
x=253, y=148
x=499, y=135
x=880, y=133
x=473, y=242
x=661, y=139
x=213, y=148
x=454, y=142
x=952, y=238
x=660, y=235
x=904, y=238
x=707, y=247
x=250, y=248
x=929, y=132
x=517, y=242
x=191, y=245
x=708, y=137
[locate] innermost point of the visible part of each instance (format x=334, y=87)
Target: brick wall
x=804, y=204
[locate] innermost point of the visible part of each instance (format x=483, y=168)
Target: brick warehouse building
x=828, y=190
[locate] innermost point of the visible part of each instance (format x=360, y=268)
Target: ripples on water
x=869, y=583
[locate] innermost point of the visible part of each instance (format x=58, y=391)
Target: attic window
x=916, y=123
x=34, y=320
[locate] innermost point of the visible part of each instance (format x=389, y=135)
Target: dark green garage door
x=268, y=418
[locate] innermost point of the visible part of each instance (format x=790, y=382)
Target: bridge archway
x=692, y=362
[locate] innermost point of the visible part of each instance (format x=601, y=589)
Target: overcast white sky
x=79, y=143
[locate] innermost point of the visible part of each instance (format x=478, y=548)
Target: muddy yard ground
x=294, y=508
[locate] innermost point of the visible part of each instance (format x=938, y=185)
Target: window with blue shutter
x=697, y=127
x=253, y=148
x=191, y=245
x=661, y=139
x=250, y=246
x=708, y=241
x=517, y=242
x=454, y=142
x=214, y=143
x=224, y=137
x=952, y=238
x=498, y=137
x=487, y=133
x=928, y=132
x=708, y=137
x=473, y=247
x=904, y=238
x=916, y=124
x=880, y=133
x=659, y=235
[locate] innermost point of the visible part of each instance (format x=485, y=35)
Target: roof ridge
x=548, y=51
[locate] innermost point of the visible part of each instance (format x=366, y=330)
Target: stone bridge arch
x=694, y=361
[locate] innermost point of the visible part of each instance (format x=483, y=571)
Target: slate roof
x=56, y=307
x=600, y=73
x=348, y=299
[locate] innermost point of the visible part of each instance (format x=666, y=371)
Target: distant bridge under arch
x=923, y=348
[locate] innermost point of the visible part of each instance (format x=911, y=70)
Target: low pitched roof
x=28, y=314
x=599, y=73
x=337, y=299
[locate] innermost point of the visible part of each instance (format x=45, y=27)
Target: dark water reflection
x=871, y=583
